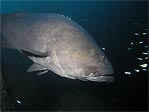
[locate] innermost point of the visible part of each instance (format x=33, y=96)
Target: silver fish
x=54, y=42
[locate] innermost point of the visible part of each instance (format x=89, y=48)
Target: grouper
x=55, y=42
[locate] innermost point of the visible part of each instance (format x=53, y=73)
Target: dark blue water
x=119, y=27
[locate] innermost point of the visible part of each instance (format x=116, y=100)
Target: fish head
x=99, y=73
x=87, y=63
x=79, y=56
x=96, y=67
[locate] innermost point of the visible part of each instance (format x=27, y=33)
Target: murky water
x=120, y=29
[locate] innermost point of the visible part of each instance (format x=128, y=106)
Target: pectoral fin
x=42, y=72
x=36, y=67
x=35, y=53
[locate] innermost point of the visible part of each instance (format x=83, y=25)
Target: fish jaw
x=102, y=78
x=105, y=76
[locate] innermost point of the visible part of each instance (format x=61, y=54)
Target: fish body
x=54, y=42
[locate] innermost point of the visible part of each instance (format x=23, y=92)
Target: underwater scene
x=118, y=81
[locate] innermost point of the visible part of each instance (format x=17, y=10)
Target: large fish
x=54, y=42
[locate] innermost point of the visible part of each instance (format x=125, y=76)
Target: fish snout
x=100, y=75
x=108, y=69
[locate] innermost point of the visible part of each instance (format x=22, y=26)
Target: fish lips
x=100, y=78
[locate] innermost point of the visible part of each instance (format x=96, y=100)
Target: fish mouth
x=101, y=78
x=107, y=78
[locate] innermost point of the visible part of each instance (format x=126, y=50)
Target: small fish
x=130, y=48
x=103, y=48
x=144, y=69
x=55, y=42
x=145, y=53
x=136, y=70
x=140, y=42
x=131, y=43
x=144, y=33
x=127, y=73
x=137, y=34
x=146, y=47
x=140, y=59
x=143, y=65
x=19, y=102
